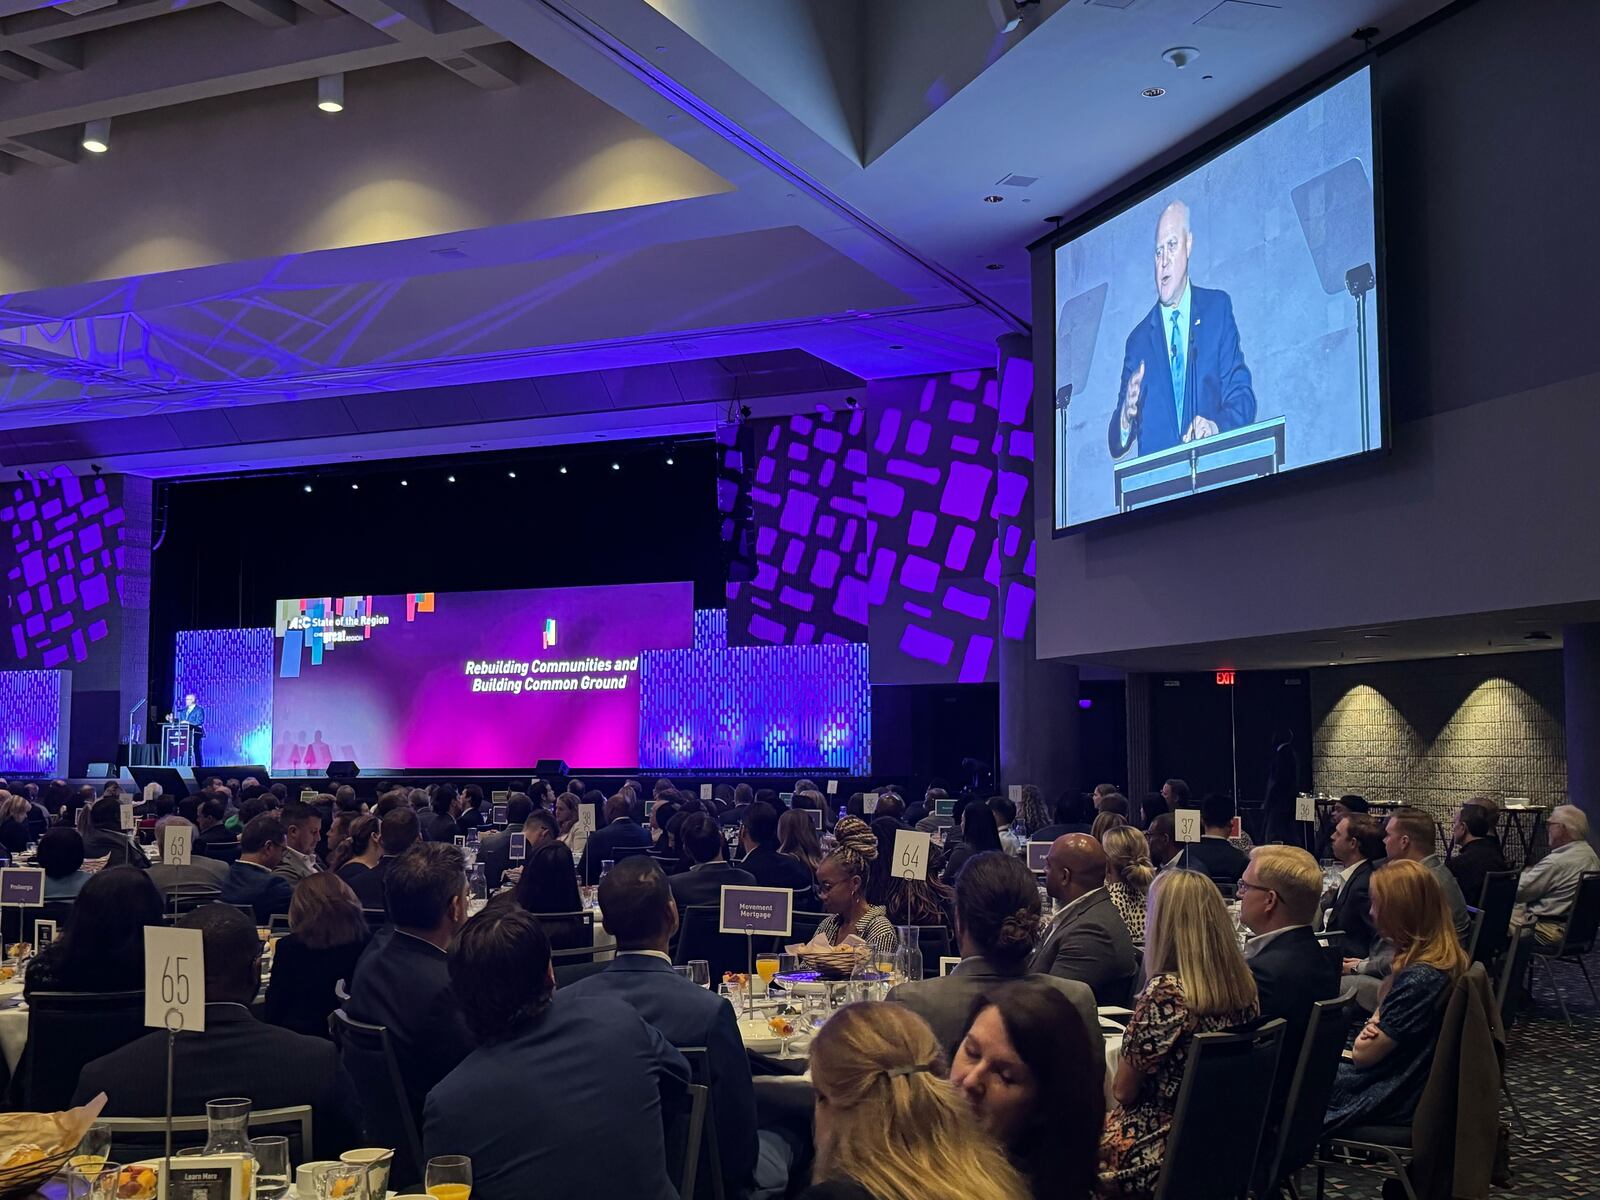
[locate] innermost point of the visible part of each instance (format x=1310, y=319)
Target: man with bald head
x=1183, y=372
x=1086, y=940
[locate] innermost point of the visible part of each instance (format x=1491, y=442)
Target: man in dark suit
x=759, y=837
x=702, y=883
x=639, y=910
x=402, y=981
x=236, y=1055
x=397, y=833
x=211, y=818
x=252, y=877
x=1183, y=372
x=620, y=830
x=106, y=838
x=1086, y=940
x=549, y=1064
x=1213, y=854
x=1283, y=787
x=1358, y=846
x=1477, y=850
x=494, y=845
x=1278, y=896
x=194, y=715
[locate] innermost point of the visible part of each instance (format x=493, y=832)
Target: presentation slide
x=1225, y=327
x=469, y=680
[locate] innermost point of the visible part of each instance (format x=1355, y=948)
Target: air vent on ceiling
x=1239, y=16
x=1018, y=181
x=460, y=64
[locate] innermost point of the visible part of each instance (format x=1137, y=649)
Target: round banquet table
x=13, y=1033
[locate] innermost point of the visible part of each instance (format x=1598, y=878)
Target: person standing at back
x=1283, y=785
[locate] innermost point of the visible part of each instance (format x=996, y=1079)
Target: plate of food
x=758, y=1035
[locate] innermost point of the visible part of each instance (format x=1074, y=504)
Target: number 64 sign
x=174, y=979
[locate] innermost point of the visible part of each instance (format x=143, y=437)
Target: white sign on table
x=833, y=787
x=910, y=855
x=176, y=844
x=947, y=963
x=44, y=932
x=705, y=791
x=869, y=803
x=1186, y=824
x=1037, y=853
x=126, y=813
x=1305, y=808
x=519, y=846
x=174, y=979
x=1014, y=793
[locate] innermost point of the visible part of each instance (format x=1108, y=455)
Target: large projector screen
x=469, y=680
x=1225, y=325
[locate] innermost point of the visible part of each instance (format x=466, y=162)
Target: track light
x=97, y=135
x=616, y=466
x=449, y=478
x=405, y=483
x=330, y=93
x=511, y=474
x=563, y=470
x=308, y=487
x=355, y=487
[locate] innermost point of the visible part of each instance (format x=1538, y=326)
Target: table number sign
x=833, y=787
x=869, y=803
x=1305, y=808
x=705, y=791
x=177, y=847
x=1186, y=824
x=174, y=979
x=910, y=855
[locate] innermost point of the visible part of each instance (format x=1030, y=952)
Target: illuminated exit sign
x=1224, y=678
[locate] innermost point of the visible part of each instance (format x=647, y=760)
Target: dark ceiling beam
x=58, y=54
x=318, y=8
x=16, y=69
x=274, y=14
x=52, y=148
x=417, y=23
x=49, y=24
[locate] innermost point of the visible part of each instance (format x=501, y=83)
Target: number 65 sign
x=174, y=979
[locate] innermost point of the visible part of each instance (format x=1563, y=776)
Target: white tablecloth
x=13, y=1034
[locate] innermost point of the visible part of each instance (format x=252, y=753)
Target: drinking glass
x=272, y=1166
x=449, y=1177
x=92, y=1151
x=700, y=972
x=341, y=1181
x=681, y=972
x=767, y=967
x=788, y=964
x=94, y=1182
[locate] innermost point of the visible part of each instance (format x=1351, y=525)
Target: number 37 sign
x=174, y=979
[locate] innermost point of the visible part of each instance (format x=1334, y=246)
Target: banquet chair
x=59, y=911
x=683, y=1127
x=368, y=1056
x=278, y=924
x=1578, y=937
x=934, y=941
x=136, y=1138
x=377, y=918
x=1219, y=1115
x=66, y=1032
x=221, y=851
x=185, y=898
x=709, y=1180
x=1491, y=929
x=1294, y=1143
x=804, y=925
x=700, y=937
x=573, y=965
x=576, y=929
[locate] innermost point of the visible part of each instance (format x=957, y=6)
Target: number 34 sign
x=174, y=979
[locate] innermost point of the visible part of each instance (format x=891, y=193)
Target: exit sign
x=1224, y=678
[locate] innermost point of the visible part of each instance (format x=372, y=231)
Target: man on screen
x=1183, y=373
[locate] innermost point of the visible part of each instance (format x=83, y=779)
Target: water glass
x=700, y=972
x=341, y=1181
x=272, y=1166
x=93, y=1150
x=91, y=1182
x=681, y=972
x=449, y=1177
x=788, y=964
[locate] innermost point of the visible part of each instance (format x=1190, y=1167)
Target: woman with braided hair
x=842, y=890
x=1129, y=871
x=889, y=1126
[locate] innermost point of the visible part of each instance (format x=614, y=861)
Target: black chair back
x=699, y=938
x=221, y=851
x=683, y=1128
x=618, y=853
x=571, y=933
x=368, y=1057
x=1492, y=931
x=934, y=941
x=59, y=911
x=67, y=1031
x=1300, y=1130
x=185, y=898
x=709, y=1184
x=1221, y=1108
x=1583, y=922
x=804, y=924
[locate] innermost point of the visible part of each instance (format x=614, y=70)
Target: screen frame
x=1043, y=253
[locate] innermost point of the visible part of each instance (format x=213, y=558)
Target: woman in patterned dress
x=1198, y=983
x=1128, y=875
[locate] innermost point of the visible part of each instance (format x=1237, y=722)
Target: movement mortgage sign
x=756, y=910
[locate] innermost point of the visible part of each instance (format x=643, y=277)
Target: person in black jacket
x=1283, y=785
x=620, y=830
x=1358, y=846
x=327, y=934
x=703, y=882
x=398, y=832
x=759, y=837
x=1478, y=850
x=1213, y=854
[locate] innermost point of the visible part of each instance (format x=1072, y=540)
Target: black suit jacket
x=1292, y=973
x=1352, y=913
x=1472, y=862
x=237, y=1055
x=772, y=869
x=369, y=887
x=266, y=891
x=1216, y=857
x=703, y=885
x=602, y=844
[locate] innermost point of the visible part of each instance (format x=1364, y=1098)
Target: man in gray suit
x=1086, y=940
x=997, y=919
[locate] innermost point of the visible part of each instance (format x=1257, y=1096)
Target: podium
x=177, y=744
x=1244, y=453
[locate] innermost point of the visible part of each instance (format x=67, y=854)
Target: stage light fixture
x=669, y=460
x=449, y=478
x=97, y=135
x=405, y=483
x=511, y=474
x=616, y=466
x=308, y=487
x=330, y=93
x=355, y=487
x=563, y=470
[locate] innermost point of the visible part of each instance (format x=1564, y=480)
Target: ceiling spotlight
x=330, y=93
x=308, y=487
x=1152, y=93
x=994, y=266
x=563, y=470
x=1180, y=56
x=511, y=474
x=993, y=199
x=616, y=466
x=355, y=487
x=449, y=478
x=669, y=460
x=97, y=135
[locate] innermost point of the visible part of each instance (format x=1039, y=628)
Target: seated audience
x=639, y=911
x=402, y=982
x=439, y=824
x=1106, y=821
x=931, y=821
x=1163, y=843
x=798, y=839
x=1151, y=807
x=211, y=820
x=327, y=934
x=538, y=830
x=764, y=857
x=620, y=830
x=1411, y=834
x=888, y=1124
x=1278, y=895
x=15, y=832
x=928, y=901
x=472, y=815
x=196, y=877
x=1393, y=1053
x=1212, y=855
x=102, y=947
x=842, y=890
x=1086, y=940
x=1547, y=890
x=61, y=857
x=302, y=831
x=548, y=888
x=359, y=852
x=494, y=845
x=661, y=814
x=251, y=879
x=1074, y=813
x=1129, y=873
x=710, y=871
x=236, y=1055
x=397, y=832
x=524, y=1106
x=978, y=834
x=997, y=921
x=105, y=837
x=1477, y=850
x=566, y=813
x=1031, y=811
x=1005, y=818
x=1357, y=846
x=1198, y=983
x=1034, y=1078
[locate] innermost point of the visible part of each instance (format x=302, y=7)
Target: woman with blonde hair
x=889, y=1126
x=1393, y=1053
x=1198, y=983
x=1129, y=872
x=797, y=837
x=1104, y=823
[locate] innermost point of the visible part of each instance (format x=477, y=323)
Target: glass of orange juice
x=767, y=967
x=449, y=1177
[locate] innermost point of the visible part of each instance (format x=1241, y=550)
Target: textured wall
x=1441, y=731
x=230, y=671
x=35, y=714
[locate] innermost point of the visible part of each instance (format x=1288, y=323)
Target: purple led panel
x=230, y=670
x=35, y=714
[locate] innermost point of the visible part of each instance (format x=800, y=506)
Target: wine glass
x=449, y=1177
x=766, y=968
x=94, y=1181
x=92, y=1151
x=700, y=972
x=272, y=1166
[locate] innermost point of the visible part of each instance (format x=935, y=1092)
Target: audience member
x=472, y=814
x=1357, y=846
x=1074, y=814
x=1086, y=940
x=397, y=832
x=765, y=859
x=1410, y=833
x=661, y=813
x=797, y=839
x=891, y=804
x=327, y=934
x=302, y=831
x=236, y=1055
x=933, y=820
x=1151, y=807
x=105, y=837
x=211, y=820
x=14, y=831
x=548, y=888
x=1547, y=890
x=61, y=857
x=620, y=830
x=494, y=846
x=926, y=901
x=1477, y=850
x=1176, y=793
x=1101, y=791
x=1005, y=817
x=439, y=825
x=402, y=982
x=703, y=882
x=842, y=890
x=1161, y=840
x=1129, y=873
x=888, y=1125
x=1033, y=1077
x=1212, y=855
x=1106, y=821
x=102, y=947
x=610, y=1065
x=978, y=835
x=1198, y=983
x=199, y=876
x=1031, y=811
x=1393, y=1053
x=251, y=879
x=997, y=922
x=360, y=851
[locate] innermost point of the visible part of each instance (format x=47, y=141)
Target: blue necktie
x=1177, y=370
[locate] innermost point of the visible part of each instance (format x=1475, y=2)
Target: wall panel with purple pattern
x=230, y=671
x=35, y=719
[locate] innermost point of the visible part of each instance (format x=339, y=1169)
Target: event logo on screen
x=549, y=639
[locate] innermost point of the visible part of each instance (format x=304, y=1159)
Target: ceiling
x=530, y=208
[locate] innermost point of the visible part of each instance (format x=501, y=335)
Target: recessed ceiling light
x=511, y=474
x=669, y=460
x=330, y=93
x=897, y=346
x=1151, y=93
x=404, y=483
x=308, y=487
x=993, y=199
x=355, y=487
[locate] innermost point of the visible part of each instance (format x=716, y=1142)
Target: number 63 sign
x=174, y=979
